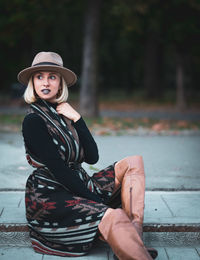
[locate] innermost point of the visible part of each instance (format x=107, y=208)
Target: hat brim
x=68, y=75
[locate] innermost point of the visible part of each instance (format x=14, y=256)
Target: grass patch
x=91, y=167
x=11, y=119
x=10, y=123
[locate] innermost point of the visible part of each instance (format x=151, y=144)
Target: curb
x=155, y=235
x=147, y=227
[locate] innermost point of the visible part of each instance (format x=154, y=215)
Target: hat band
x=46, y=63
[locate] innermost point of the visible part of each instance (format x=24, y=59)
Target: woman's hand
x=68, y=111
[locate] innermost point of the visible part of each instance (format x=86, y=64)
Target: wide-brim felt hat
x=47, y=61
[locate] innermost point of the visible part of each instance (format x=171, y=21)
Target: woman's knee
x=107, y=222
x=135, y=161
x=128, y=163
x=111, y=215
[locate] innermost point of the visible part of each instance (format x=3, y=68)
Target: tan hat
x=47, y=61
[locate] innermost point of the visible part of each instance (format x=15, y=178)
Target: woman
x=66, y=209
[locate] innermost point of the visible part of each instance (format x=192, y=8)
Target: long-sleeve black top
x=40, y=143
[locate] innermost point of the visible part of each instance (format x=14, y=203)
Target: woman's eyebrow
x=55, y=73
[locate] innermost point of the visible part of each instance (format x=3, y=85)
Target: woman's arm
x=89, y=145
x=86, y=139
x=40, y=143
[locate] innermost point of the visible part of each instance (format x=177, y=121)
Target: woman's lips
x=46, y=91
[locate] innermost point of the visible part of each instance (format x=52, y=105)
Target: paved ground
x=172, y=199
x=167, y=253
x=171, y=162
x=156, y=114
x=163, y=210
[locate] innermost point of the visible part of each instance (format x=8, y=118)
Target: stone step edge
x=150, y=227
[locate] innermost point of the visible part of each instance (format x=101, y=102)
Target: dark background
x=146, y=49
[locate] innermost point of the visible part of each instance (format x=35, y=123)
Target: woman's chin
x=47, y=97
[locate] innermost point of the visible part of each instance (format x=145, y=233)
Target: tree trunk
x=180, y=91
x=153, y=66
x=88, y=92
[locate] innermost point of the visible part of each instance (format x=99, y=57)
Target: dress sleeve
x=87, y=141
x=39, y=142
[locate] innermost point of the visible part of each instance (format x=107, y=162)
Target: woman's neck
x=52, y=104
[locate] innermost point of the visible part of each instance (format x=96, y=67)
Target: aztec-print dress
x=60, y=222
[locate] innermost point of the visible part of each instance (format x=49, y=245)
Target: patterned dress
x=60, y=221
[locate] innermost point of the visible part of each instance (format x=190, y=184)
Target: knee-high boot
x=118, y=231
x=130, y=173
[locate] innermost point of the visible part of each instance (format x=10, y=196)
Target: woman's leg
x=130, y=174
x=118, y=231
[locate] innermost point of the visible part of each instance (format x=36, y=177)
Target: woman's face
x=47, y=84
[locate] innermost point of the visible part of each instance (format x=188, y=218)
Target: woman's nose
x=45, y=81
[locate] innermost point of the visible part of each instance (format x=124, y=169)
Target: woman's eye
x=52, y=77
x=39, y=76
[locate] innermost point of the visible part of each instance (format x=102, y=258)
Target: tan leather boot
x=118, y=231
x=130, y=173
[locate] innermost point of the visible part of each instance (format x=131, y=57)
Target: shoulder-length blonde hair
x=30, y=95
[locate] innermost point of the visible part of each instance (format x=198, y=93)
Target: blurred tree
x=153, y=30
x=180, y=89
x=153, y=66
x=165, y=28
x=183, y=36
x=88, y=93
x=14, y=32
x=144, y=18
x=120, y=49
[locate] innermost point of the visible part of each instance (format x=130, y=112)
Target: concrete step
x=154, y=235
x=171, y=219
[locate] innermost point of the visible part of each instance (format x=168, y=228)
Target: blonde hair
x=30, y=95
